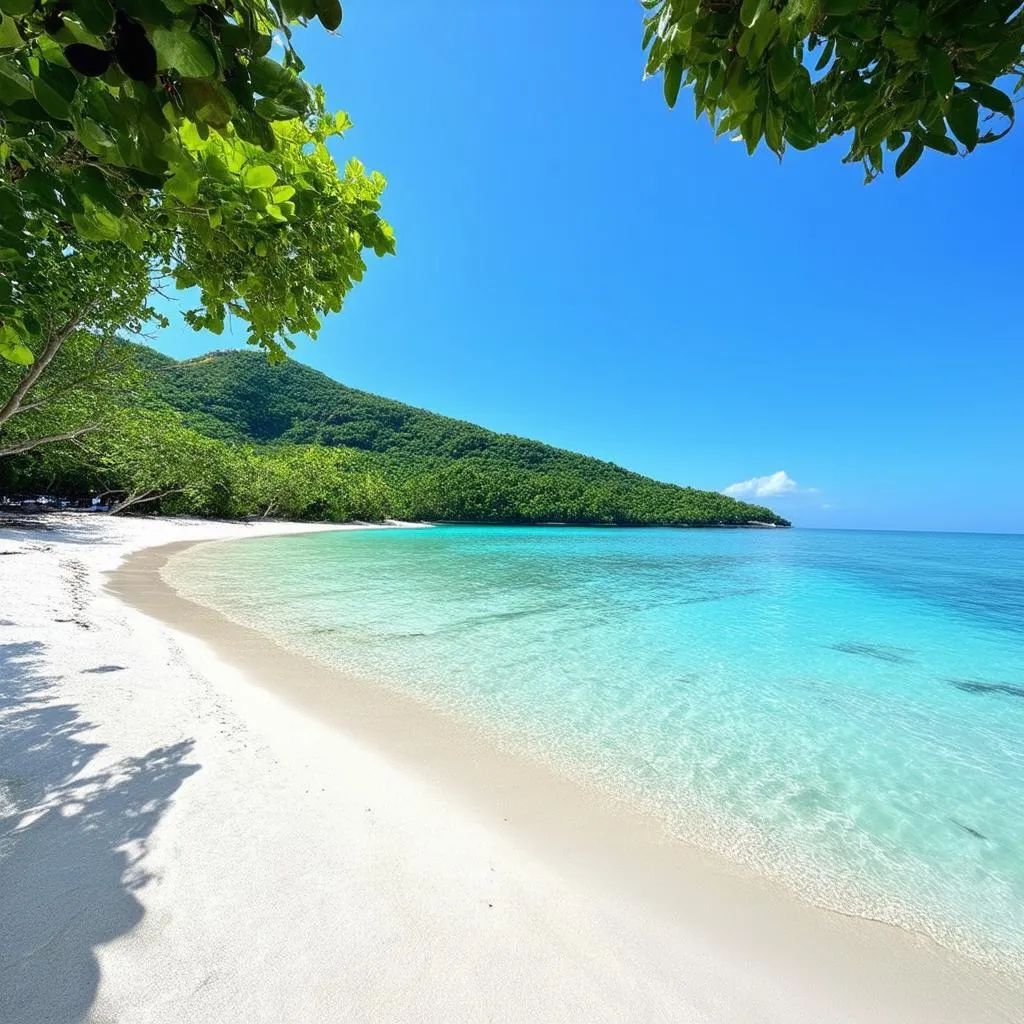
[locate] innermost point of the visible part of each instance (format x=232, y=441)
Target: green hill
x=434, y=467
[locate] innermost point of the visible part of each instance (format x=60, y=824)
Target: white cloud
x=770, y=486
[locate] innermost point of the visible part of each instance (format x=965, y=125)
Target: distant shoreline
x=11, y=516
x=617, y=526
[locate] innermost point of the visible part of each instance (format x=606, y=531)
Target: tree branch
x=91, y=381
x=13, y=403
x=150, y=495
x=25, y=446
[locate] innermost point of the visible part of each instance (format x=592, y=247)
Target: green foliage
x=149, y=461
x=424, y=466
x=13, y=348
x=90, y=377
x=164, y=125
x=117, y=76
x=146, y=457
x=899, y=76
x=282, y=237
x=75, y=366
x=308, y=482
x=230, y=435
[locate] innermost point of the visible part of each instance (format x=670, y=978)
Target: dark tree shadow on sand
x=72, y=841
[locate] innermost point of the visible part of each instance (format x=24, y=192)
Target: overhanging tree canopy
x=900, y=76
x=72, y=367
x=165, y=126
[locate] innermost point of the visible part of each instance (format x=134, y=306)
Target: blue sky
x=581, y=265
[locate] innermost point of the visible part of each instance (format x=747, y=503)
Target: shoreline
x=876, y=971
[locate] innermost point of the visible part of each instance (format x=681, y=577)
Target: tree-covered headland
x=230, y=435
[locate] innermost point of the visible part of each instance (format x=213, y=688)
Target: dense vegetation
x=158, y=144
x=895, y=77
x=229, y=434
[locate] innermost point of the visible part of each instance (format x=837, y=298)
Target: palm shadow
x=72, y=842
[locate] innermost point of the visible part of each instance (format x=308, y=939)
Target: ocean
x=840, y=710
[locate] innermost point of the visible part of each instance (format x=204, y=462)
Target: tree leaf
x=13, y=349
x=909, y=19
x=96, y=15
x=963, y=119
x=782, y=65
x=14, y=85
x=92, y=229
x=93, y=137
x=274, y=110
x=42, y=186
x=766, y=27
x=133, y=234
x=88, y=60
x=940, y=142
x=149, y=12
x=904, y=48
x=991, y=98
x=107, y=223
x=673, y=77
x=650, y=27
x=206, y=101
x=773, y=131
x=798, y=134
x=826, y=55
x=50, y=100
x=10, y=37
x=752, y=128
x=17, y=8
x=329, y=13
x=260, y=176
x=745, y=41
x=186, y=53
x=909, y=156
x=12, y=214
x=183, y=184
x=90, y=182
x=271, y=79
x=748, y=12
x=941, y=69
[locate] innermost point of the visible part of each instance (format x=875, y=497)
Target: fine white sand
x=183, y=839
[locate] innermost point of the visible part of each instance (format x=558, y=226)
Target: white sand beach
x=196, y=826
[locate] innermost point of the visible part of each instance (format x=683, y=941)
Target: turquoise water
x=840, y=710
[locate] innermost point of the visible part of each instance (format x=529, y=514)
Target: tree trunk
x=35, y=371
x=138, y=497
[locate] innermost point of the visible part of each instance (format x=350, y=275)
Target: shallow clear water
x=842, y=710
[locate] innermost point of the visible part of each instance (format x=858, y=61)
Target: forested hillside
x=449, y=469
x=239, y=396
x=229, y=434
